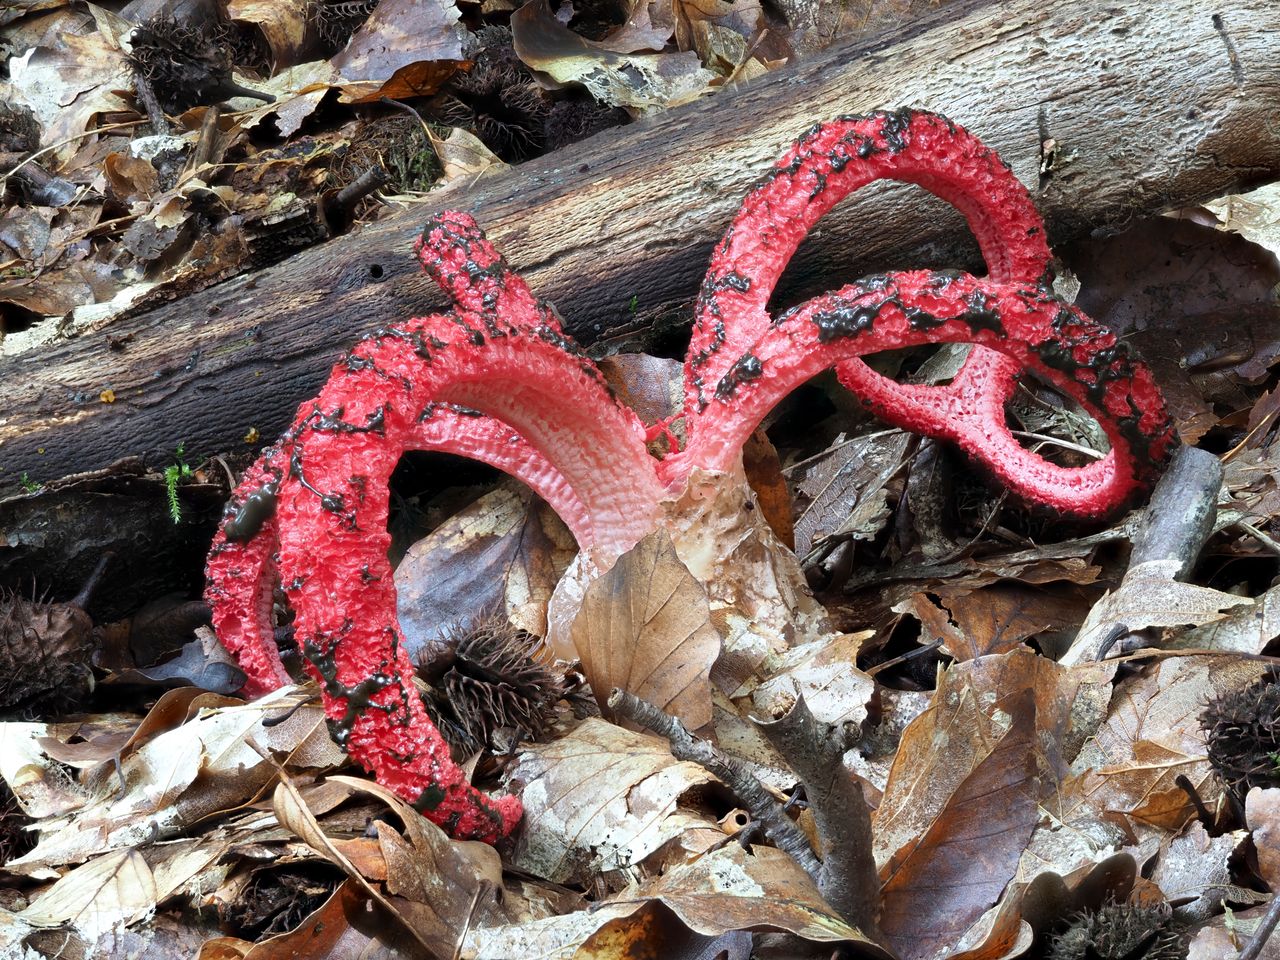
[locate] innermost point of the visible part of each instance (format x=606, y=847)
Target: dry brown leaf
x=725, y=890
x=640, y=81
x=645, y=627
x=1152, y=734
x=1192, y=869
x=846, y=488
x=201, y=767
x=996, y=619
x=98, y=898
x=760, y=601
x=1245, y=629
x=763, y=469
x=964, y=794
x=400, y=34
x=603, y=798
x=347, y=925
x=292, y=812
x=504, y=552
x=463, y=157
x=285, y=25
x=68, y=82
x=1195, y=303
x=1262, y=813
x=1149, y=597
x=826, y=673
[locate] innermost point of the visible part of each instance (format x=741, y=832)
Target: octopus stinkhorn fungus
x=498, y=381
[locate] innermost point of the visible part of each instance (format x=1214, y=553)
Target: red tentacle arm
x=821, y=169
x=1032, y=328
x=497, y=381
x=241, y=575
x=332, y=517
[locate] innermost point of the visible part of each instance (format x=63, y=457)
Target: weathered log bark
x=1148, y=106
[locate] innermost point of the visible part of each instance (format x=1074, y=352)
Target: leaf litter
x=1010, y=792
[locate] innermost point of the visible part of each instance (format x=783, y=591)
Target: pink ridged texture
x=497, y=380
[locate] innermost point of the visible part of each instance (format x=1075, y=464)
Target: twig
x=147, y=97
x=206, y=138
x=1267, y=542
x=1180, y=517
x=1253, y=949
x=848, y=879
x=778, y=827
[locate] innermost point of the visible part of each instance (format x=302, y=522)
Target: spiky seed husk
x=485, y=678
x=46, y=651
x=1121, y=931
x=497, y=99
x=184, y=65
x=1242, y=728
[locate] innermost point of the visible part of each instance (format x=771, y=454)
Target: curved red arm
x=822, y=168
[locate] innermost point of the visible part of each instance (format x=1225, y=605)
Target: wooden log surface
x=1150, y=105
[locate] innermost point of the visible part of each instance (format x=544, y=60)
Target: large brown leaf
x=1152, y=734
x=645, y=626
x=964, y=794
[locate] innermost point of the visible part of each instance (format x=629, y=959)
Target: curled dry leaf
x=1150, y=597
x=463, y=157
x=965, y=790
x=645, y=627
x=284, y=24
x=642, y=81
x=724, y=890
x=201, y=767
x=505, y=552
x=604, y=798
x=1262, y=813
x=1152, y=734
x=399, y=36
x=759, y=598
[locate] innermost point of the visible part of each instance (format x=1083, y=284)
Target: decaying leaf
x=645, y=627
x=96, y=899
x=603, y=799
x=1149, y=597
x=203, y=766
x=1152, y=734
x=1246, y=628
x=505, y=552
x=845, y=488
x=964, y=793
x=760, y=601
x=642, y=81
x=724, y=890
x=995, y=619
x=399, y=35
x=825, y=672
x=464, y=157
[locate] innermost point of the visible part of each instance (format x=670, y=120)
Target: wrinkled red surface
x=922, y=148
x=496, y=380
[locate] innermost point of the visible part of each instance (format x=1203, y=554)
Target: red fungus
x=498, y=381
x=821, y=169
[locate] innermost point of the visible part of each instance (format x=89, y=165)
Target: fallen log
x=1112, y=109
